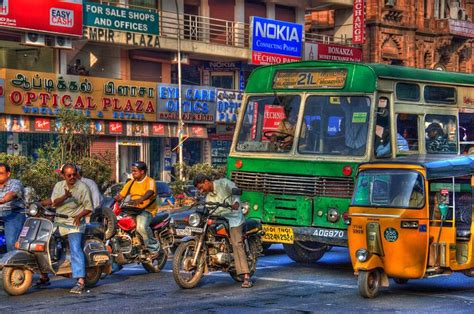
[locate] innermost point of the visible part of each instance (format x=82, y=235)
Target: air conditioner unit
x=33, y=39
x=62, y=42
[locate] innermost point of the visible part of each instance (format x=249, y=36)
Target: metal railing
x=213, y=31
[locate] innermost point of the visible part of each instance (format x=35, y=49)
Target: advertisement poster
x=330, y=52
x=51, y=16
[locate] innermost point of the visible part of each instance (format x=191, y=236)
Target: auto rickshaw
x=411, y=218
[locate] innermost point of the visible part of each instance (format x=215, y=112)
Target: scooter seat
x=159, y=218
x=252, y=226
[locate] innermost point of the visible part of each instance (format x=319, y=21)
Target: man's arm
x=15, y=188
x=8, y=197
x=86, y=202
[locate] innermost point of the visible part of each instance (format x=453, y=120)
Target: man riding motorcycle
x=142, y=191
x=219, y=191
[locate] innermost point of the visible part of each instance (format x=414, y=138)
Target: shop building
x=124, y=53
x=431, y=34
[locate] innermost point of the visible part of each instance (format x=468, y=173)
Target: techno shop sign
x=35, y=93
x=198, y=103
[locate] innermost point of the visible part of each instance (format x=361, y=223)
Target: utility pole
x=180, y=118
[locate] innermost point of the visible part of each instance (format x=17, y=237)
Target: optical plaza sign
x=275, y=41
x=44, y=94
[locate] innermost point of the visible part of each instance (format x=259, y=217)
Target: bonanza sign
x=44, y=94
x=52, y=16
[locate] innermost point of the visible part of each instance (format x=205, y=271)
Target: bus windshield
x=331, y=125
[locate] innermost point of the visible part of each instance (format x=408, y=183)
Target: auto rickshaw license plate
x=278, y=234
x=100, y=258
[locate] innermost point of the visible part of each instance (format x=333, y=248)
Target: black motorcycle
x=40, y=249
x=209, y=247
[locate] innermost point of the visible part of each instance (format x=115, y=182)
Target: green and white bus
x=304, y=127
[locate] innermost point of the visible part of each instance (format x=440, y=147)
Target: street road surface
x=281, y=286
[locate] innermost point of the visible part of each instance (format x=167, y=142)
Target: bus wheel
x=369, y=283
x=400, y=281
x=305, y=252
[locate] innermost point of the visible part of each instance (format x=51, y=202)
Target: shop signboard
x=228, y=105
x=50, y=16
x=358, y=24
x=45, y=94
x=42, y=124
x=120, y=19
x=330, y=52
x=222, y=66
x=171, y=130
x=15, y=123
x=274, y=41
x=137, y=129
x=2, y=95
x=115, y=128
x=198, y=103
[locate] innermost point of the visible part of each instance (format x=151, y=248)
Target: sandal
x=78, y=288
x=247, y=283
x=42, y=282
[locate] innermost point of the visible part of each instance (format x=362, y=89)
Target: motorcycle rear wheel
x=182, y=266
x=157, y=264
x=16, y=281
x=93, y=275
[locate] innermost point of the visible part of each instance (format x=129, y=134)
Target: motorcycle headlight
x=33, y=210
x=362, y=255
x=194, y=220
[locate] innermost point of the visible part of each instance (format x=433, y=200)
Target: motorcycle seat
x=95, y=229
x=160, y=218
x=251, y=226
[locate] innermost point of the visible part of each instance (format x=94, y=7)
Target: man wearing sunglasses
x=72, y=197
x=142, y=191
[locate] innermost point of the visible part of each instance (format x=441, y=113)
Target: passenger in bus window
x=356, y=110
x=382, y=141
x=286, y=126
x=409, y=134
x=436, y=140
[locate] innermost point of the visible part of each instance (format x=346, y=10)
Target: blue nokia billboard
x=272, y=38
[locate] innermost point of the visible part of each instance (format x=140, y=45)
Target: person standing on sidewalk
x=11, y=206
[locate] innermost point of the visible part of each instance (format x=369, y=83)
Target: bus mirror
x=236, y=192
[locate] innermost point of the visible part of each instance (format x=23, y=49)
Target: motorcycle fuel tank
x=127, y=223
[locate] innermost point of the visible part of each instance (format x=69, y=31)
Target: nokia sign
x=275, y=41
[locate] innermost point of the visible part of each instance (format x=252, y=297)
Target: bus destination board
x=310, y=79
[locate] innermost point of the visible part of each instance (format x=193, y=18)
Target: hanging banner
x=358, y=24
x=275, y=41
x=45, y=94
x=50, y=16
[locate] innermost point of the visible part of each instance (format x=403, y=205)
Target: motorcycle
x=209, y=248
x=40, y=249
x=127, y=245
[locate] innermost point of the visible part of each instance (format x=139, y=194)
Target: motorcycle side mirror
x=236, y=192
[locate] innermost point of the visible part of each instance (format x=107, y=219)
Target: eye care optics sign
x=126, y=20
x=275, y=41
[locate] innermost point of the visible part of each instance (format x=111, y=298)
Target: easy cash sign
x=274, y=42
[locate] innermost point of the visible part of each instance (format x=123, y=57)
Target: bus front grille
x=269, y=183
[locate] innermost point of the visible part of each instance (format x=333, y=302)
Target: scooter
x=40, y=249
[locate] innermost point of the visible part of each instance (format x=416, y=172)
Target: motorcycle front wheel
x=186, y=275
x=16, y=281
x=157, y=264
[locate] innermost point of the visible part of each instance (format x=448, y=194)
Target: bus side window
x=441, y=135
x=407, y=132
x=466, y=133
x=382, y=147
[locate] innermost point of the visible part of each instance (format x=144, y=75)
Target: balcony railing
x=213, y=31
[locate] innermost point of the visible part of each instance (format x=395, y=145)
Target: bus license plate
x=278, y=234
x=329, y=233
x=24, y=231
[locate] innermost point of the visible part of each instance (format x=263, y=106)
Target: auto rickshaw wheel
x=16, y=281
x=400, y=281
x=369, y=283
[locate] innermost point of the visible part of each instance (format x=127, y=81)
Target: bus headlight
x=194, y=220
x=245, y=208
x=333, y=215
x=362, y=255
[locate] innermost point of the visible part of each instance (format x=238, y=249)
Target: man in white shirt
x=96, y=196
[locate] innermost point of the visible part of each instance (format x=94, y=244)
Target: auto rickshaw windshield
x=389, y=188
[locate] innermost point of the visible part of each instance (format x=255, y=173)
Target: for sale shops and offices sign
x=51, y=16
x=115, y=25
x=125, y=20
x=275, y=41
x=44, y=94
x=313, y=51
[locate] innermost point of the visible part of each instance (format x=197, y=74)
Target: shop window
x=94, y=60
x=153, y=4
x=440, y=94
x=407, y=133
x=466, y=133
x=409, y=92
x=223, y=80
x=16, y=56
x=440, y=134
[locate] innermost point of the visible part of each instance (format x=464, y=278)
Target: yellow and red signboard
x=45, y=94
